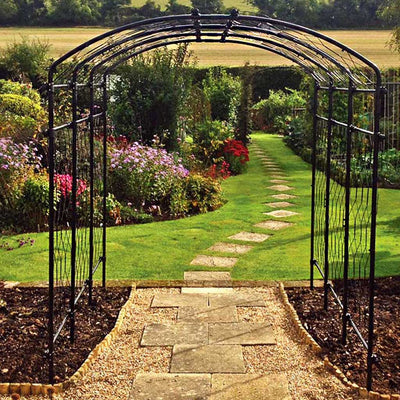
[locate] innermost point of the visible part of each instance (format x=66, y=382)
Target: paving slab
x=279, y=204
x=283, y=196
x=205, y=276
x=273, y=225
x=214, y=261
x=280, y=188
x=281, y=213
x=207, y=359
x=179, y=300
x=220, y=313
x=278, y=176
x=172, y=334
x=243, y=333
x=151, y=386
x=249, y=387
x=230, y=248
x=236, y=299
x=279, y=181
x=250, y=237
x=207, y=290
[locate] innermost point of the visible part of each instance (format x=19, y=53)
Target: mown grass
x=371, y=44
x=163, y=250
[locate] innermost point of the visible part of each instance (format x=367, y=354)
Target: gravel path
x=113, y=373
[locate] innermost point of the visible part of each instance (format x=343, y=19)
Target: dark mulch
x=23, y=332
x=325, y=327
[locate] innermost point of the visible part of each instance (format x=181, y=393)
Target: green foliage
x=390, y=12
x=223, y=92
x=204, y=194
x=208, y=141
x=244, y=123
x=175, y=8
x=34, y=201
x=26, y=60
x=275, y=113
x=208, y=6
x=75, y=12
x=21, y=115
x=148, y=96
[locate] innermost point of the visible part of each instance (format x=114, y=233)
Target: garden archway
x=344, y=153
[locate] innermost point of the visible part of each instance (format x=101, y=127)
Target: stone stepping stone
x=278, y=176
x=242, y=333
x=179, y=300
x=273, y=225
x=250, y=237
x=279, y=181
x=213, y=261
x=281, y=213
x=221, y=313
x=207, y=290
x=151, y=386
x=280, y=188
x=207, y=278
x=236, y=299
x=172, y=334
x=283, y=196
x=279, y=204
x=249, y=387
x=207, y=359
x=230, y=248
x=270, y=164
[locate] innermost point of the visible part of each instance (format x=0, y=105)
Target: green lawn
x=164, y=250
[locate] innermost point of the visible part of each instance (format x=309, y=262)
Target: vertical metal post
x=91, y=194
x=50, y=326
x=104, y=258
x=377, y=116
x=349, y=133
x=314, y=167
x=327, y=194
x=74, y=208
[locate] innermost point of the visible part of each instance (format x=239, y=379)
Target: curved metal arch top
x=325, y=59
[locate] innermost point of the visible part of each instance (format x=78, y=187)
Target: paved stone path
x=207, y=337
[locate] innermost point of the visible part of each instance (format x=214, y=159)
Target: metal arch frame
x=233, y=31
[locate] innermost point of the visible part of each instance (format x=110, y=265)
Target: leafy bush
x=223, y=92
x=21, y=115
x=27, y=60
x=148, y=96
x=275, y=113
x=204, y=194
x=209, y=139
x=34, y=201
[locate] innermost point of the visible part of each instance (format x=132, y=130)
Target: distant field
x=371, y=44
x=241, y=5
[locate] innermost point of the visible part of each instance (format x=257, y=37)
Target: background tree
x=175, y=8
x=390, y=12
x=75, y=12
x=208, y=6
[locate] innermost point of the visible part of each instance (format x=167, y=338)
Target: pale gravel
x=112, y=375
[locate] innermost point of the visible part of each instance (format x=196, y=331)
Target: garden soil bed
x=23, y=332
x=325, y=327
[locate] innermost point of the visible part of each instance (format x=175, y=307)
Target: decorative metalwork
x=343, y=196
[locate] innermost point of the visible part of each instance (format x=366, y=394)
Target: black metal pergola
x=343, y=195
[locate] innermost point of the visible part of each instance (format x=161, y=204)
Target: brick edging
x=42, y=389
x=316, y=348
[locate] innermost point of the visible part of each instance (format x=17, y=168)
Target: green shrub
x=275, y=113
x=209, y=139
x=34, y=201
x=203, y=193
x=223, y=93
